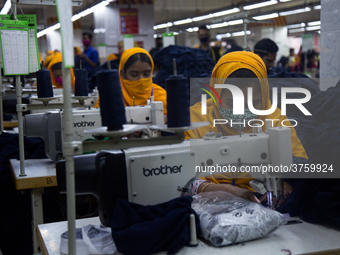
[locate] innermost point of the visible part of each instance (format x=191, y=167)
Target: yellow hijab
x=57, y=58
x=131, y=89
x=224, y=67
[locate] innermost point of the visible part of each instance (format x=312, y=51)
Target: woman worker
x=55, y=68
x=240, y=64
x=135, y=73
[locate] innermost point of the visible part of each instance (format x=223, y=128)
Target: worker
x=135, y=73
x=204, y=37
x=89, y=56
x=55, y=68
x=77, y=52
x=237, y=65
x=267, y=50
x=112, y=56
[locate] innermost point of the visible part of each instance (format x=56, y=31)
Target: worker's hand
x=243, y=193
x=287, y=189
x=82, y=55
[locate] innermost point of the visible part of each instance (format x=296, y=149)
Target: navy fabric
x=138, y=229
x=93, y=75
x=15, y=223
x=9, y=148
x=280, y=80
x=191, y=63
x=317, y=200
x=92, y=54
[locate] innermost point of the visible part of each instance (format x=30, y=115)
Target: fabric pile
x=191, y=63
x=317, y=200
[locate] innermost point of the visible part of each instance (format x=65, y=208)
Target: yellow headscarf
x=228, y=64
x=141, y=94
x=112, y=56
x=141, y=89
x=57, y=58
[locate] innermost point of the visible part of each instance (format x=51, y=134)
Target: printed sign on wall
x=129, y=21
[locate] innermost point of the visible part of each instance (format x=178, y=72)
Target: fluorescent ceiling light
x=164, y=25
x=297, y=30
x=226, y=12
x=224, y=24
x=235, y=22
x=317, y=7
x=259, y=5
x=240, y=33
x=314, y=23
x=220, y=36
x=155, y=36
x=75, y=17
x=203, y=17
x=6, y=7
x=307, y=9
x=296, y=25
x=183, y=21
x=49, y=29
x=192, y=29
x=283, y=1
x=313, y=28
x=267, y=16
x=175, y=33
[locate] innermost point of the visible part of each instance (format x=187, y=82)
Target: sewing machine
x=48, y=125
x=155, y=174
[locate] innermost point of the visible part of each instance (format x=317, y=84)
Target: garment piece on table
x=92, y=54
x=162, y=227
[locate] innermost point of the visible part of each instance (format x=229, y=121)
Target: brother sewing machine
x=48, y=125
x=155, y=174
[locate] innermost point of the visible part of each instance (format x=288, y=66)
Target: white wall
x=108, y=18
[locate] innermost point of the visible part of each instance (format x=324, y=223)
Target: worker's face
x=204, y=35
x=137, y=71
x=57, y=73
x=269, y=60
x=86, y=40
x=227, y=98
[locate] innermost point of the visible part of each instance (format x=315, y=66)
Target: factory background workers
x=237, y=65
x=267, y=50
x=135, y=73
x=204, y=37
x=55, y=68
x=89, y=56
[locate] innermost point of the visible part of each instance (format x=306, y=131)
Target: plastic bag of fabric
x=227, y=219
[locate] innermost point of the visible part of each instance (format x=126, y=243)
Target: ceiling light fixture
x=259, y=5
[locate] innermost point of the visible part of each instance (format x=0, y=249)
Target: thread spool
x=44, y=83
x=81, y=89
x=112, y=109
x=178, y=101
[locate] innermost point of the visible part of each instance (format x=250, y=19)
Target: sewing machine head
x=48, y=125
x=155, y=174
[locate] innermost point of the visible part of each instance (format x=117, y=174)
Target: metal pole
x=69, y=162
x=1, y=110
x=20, y=126
x=245, y=21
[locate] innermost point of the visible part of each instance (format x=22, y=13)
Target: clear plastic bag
x=227, y=219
